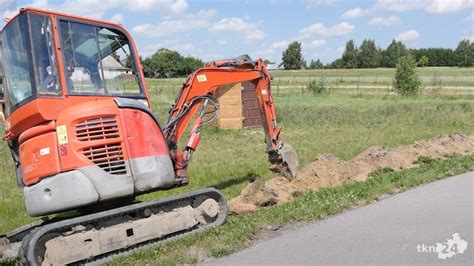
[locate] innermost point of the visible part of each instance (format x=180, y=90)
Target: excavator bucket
x=289, y=160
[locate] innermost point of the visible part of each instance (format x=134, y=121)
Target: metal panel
x=252, y=117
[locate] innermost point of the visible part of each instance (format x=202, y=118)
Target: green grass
x=436, y=80
x=240, y=231
x=341, y=124
x=431, y=76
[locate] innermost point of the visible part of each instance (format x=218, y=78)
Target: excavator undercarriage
x=100, y=236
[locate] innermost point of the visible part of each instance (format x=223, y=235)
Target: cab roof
x=59, y=14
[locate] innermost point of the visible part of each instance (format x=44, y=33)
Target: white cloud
x=222, y=42
x=184, y=49
x=354, y=13
x=250, y=30
x=428, y=6
x=385, y=22
x=470, y=17
x=5, y=4
x=169, y=26
x=117, y=18
x=264, y=53
x=9, y=13
x=408, y=36
x=274, y=48
x=340, y=29
x=173, y=6
x=279, y=45
x=210, y=57
x=315, y=3
x=445, y=6
x=88, y=8
x=255, y=35
x=96, y=9
x=314, y=44
x=399, y=5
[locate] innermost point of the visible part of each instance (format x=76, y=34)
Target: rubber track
x=27, y=256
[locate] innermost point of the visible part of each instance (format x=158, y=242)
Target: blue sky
x=217, y=29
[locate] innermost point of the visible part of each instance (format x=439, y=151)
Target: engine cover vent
x=108, y=157
x=97, y=129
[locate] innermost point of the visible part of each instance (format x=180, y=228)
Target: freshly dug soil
x=329, y=171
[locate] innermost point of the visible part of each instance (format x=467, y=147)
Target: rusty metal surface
x=290, y=160
x=252, y=116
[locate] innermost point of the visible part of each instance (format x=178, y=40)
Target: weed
x=318, y=87
x=424, y=160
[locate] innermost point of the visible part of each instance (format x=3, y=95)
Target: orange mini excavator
x=82, y=135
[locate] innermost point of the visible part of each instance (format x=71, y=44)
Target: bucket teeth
x=285, y=161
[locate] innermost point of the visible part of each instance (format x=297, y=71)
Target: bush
x=424, y=60
x=317, y=87
x=406, y=81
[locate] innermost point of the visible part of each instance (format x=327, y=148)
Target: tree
x=406, y=81
x=166, y=63
x=423, y=61
x=129, y=62
x=464, y=53
x=292, y=58
x=369, y=55
x=394, y=51
x=116, y=57
x=316, y=64
x=350, y=55
x=437, y=56
x=338, y=63
x=148, y=68
x=191, y=64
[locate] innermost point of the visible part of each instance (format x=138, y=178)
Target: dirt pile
x=329, y=171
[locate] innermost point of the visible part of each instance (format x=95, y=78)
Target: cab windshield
x=97, y=61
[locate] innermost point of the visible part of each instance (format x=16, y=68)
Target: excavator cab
x=49, y=56
x=77, y=113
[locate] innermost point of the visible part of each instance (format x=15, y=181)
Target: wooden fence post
x=456, y=83
x=358, y=79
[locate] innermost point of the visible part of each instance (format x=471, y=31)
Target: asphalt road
x=397, y=230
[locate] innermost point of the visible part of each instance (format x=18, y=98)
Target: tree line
x=166, y=63
x=369, y=55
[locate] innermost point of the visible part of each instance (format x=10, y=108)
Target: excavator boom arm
x=197, y=93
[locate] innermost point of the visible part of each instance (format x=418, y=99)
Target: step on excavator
x=79, y=124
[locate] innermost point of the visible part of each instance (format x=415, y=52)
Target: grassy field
x=436, y=80
x=341, y=124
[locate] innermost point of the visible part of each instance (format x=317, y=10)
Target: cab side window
x=44, y=57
